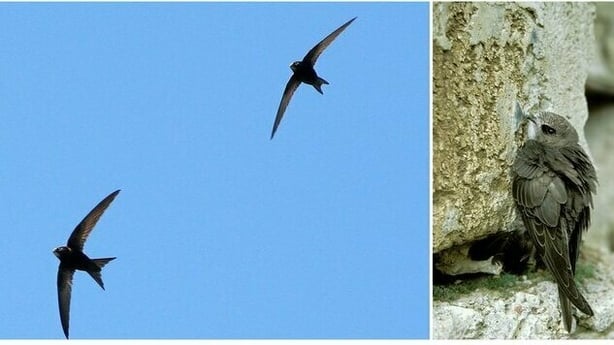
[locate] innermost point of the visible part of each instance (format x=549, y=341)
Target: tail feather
x=318, y=85
x=97, y=274
x=102, y=262
x=566, y=311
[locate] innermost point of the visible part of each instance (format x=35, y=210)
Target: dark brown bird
x=553, y=182
x=72, y=258
x=305, y=73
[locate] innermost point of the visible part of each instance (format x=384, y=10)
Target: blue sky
x=219, y=232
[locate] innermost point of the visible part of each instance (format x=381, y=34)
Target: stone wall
x=485, y=57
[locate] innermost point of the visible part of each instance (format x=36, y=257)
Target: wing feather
x=545, y=205
x=314, y=53
x=84, y=228
x=291, y=86
x=65, y=276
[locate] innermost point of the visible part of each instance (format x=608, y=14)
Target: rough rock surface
x=529, y=310
x=601, y=72
x=485, y=57
x=600, y=135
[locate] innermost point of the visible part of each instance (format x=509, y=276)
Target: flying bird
x=72, y=258
x=303, y=72
x=553, y=180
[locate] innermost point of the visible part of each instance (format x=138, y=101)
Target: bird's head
x=61, y=251
x=551, y=129
x=294, y=66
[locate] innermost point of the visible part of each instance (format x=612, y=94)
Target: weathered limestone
x=485, y=56
x=530, y=310
x=601, y=72
x=600, y=134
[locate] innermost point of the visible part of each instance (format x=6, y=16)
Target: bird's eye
x=548, y=130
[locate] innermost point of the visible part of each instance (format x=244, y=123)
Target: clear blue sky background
x=219, y=231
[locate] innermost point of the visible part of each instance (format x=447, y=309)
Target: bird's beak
x=532, y=118
x=521, y=115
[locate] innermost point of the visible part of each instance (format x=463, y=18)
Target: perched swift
x=72, y=258
x=553, y=180
x=303, y=72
